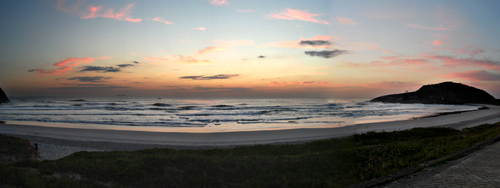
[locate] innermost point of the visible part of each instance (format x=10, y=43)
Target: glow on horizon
x=228, y=48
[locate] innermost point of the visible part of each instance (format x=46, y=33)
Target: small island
x=441, y=93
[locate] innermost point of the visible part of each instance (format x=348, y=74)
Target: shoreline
x=61, y=141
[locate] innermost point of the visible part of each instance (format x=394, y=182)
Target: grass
x=325, y=163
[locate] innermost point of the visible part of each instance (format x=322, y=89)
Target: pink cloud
x=451, y=61
x=209, y=49
x=96, y=11
x=190, y=60
x=200, y=28
x=66, y=65
x=476, y=76
x=346, y=20
x=218, y=2
x=437, y=43
x=392, y=84
x=292, y=14
x=296, y=44
x=475, y=52
x=158, y=19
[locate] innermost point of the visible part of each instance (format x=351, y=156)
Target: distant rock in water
x=3, y=97
x=442, y=93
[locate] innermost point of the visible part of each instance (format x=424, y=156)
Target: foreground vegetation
x=326, y=163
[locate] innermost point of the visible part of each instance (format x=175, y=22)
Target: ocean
x=218, y=114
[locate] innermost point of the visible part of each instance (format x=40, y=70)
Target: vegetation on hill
x=442, y=93
x=325, y=163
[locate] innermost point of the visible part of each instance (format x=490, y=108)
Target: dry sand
x=58, y=141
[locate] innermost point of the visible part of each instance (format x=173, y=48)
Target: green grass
x=325, y=163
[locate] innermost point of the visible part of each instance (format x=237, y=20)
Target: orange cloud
x=297, y=44
x=158, y=19
x=282, y=84
x=346, y=20
x=200, y=28
x=209, y=49
x=66, y=65
x=292, y=14
x=437, y=43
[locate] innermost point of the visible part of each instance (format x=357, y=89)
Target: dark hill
x=3, y=97
x=442, y=93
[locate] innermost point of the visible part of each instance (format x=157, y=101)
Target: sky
x=246, y=48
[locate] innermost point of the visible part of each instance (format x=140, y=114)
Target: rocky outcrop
x=442, y=93
x=3, y=97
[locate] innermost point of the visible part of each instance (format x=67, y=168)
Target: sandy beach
x=56, y=140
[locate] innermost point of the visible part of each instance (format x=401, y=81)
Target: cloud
x=303, y=43
x=346, y=21
x=136, y=62
x=209, y=49
x=200, y=28
x=189, y=60
x=94, y=79
x=477, y=75
x=261, y=56
x=233, y=43
x=65, y=66
x=96, y=87
x=451, y=61
x=475, y=52
x=159, y=19
x=392, y=84
x=292, y=14
x=215, y=77
x=326, y=53
x=218, y=2
x=99, y=69
x=315, y=42
x=437, y=43
x=156, y=58
x=296, y=83
x=244, y=11
x=95, y=12
x=124, y=65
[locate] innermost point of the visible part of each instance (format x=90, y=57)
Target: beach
x=59, y=140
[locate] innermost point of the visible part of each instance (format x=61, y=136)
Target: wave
x=161, y=104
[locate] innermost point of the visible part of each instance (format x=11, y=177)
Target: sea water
x=221, y=114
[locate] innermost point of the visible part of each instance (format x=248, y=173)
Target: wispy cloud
x=159, y=19
x=437, y=43
x=96, y=12
x=326, y=53
x=209, y=49
x=215, y=77
x=319, y=41
x=451, y=61
x=93, y=79
x=65, y=66
x=291, y=14
x=440, y=28
x=346, y=21
x=200, y=28
x=297, y=83
x=218, y=2
x=365, y=46
x=476, y=75
x=392, y=84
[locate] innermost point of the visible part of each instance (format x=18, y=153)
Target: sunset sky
x=246, y=48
